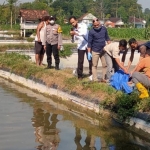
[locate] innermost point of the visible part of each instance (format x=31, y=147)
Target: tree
x=11, y=3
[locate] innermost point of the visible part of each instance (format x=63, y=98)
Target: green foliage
x=126, y=33
x=67, y=50
x=95, y=86
x=126, y=105
x=29, y=39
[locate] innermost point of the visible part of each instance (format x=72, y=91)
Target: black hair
x=131, y=41
x=123, y=43
x=45, y=18
x=72, y=17
x=148, y=52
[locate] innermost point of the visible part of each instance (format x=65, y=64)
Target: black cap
x=52, y=18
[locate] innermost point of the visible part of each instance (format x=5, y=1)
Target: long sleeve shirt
x=97, y=39
x=82, y=37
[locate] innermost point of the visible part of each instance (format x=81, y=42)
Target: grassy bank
x=106, y=96
x=65, y=53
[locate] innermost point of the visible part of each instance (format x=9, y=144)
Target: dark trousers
x=81, y=54
x=52, y=49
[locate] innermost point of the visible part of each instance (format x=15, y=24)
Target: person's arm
x=124, y=57
x=90, y=40
x=131, y=59
x=121, y=65
x=142, y=51
x=107, y=38
x=39, y=27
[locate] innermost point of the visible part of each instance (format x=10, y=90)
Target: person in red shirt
x=141, y=75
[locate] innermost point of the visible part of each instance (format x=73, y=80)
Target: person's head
x=133, y=43
x=122, y=45
x=45, y=19
x=147, y=53
x=52, y=20
x=73, y=21
x=96, y=24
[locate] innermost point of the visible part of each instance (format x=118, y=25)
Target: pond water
x=30, y=121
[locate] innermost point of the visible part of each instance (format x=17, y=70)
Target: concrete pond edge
x=43, y=89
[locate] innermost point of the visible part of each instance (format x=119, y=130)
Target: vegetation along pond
x=31, y=121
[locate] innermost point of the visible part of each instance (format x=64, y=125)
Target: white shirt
x=82, y=37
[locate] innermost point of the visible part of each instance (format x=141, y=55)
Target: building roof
x=29, y=14
x=114, y=20
x=133, y=19
x=88, y=16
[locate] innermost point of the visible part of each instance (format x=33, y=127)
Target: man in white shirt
x=112, y=57
x=80, y=33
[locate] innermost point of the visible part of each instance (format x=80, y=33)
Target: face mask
x=97, y=28
x=52, y=21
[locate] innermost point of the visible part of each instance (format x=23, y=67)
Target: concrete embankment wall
x=43, y=89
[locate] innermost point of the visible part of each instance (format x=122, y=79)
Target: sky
x=144, y=3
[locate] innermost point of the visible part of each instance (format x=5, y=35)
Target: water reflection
x=46, y=132
x=59, y=129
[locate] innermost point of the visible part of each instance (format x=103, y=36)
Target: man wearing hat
x=53, y=42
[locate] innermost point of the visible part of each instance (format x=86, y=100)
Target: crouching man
x=113, y=62
x=141, y=75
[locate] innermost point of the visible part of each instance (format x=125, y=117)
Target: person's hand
x=39, y=40
x=131, y=73
x=125, y=71
x=72, y=33
x=44, y=47
x=89, y=56
x=58, y=47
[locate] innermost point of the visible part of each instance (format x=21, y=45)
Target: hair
x=123, y=43
x=148, y=52
x=45, y=18
x=72, y=17
x=131, y=41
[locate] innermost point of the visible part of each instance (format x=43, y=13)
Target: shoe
x=143, y=90
x=91, y=77
x=57, y=68
x=48, y=67
x=74, y=72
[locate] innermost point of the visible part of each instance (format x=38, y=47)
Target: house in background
x=114, y=22
x=137, y=22
x=87, y=19
x=29, y=19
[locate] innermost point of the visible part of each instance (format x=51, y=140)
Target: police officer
x=53, y=42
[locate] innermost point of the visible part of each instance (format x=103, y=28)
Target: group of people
x=48, y=39
x=95, y=43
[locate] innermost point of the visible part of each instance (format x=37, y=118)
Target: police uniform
x=53, y=40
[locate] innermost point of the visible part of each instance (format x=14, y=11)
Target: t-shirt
x=112, y=49
x=145, y=65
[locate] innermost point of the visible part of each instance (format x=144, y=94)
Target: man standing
x=112, y=57
x=96, y=41
x=80, y=33
x=53, y=42
x=39, y=40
